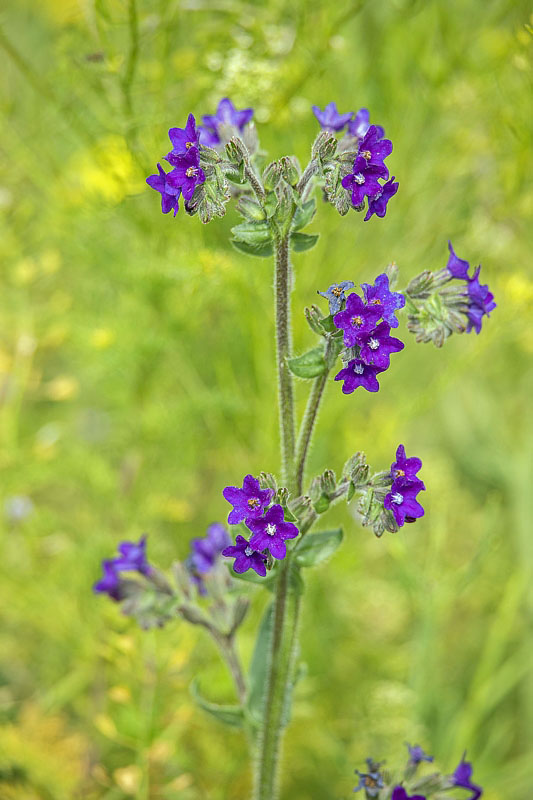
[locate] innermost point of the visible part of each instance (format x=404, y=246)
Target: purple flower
x=356, y=374
x=246, y=557
x=247, y=502
x=399, y=793
x=206, y=550
x=481, y=302
x=377, y=345
x=330, y=119
x=169, y=194
x=133, y=557
x=378, y=204
x=359, y=125
x=401, y=500
x=374, y=149
x=461, y=777
x=187, y=173
x=335, y=295
x=110, y=583
x=405, y=468
x=416, y=754
x=380, y=295
x=357, y=318
x=271, y=531
x=457, y=267
x=371, y=781
x=183, y=139
x=226, y=114
x=363, y=180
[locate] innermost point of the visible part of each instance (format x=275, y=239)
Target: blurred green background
x=137, y=380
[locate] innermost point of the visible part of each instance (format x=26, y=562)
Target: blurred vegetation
x=137, y=379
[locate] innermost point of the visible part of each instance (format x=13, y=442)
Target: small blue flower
x=371, y=781
x=335, y=295
x=416, y=754
x=330, y=119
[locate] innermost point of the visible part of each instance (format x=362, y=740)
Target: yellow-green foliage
x=137, y=380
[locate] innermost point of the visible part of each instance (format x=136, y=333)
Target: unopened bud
x=324, y=147
x=271, y=175
x=290, y=169
x=267, y=481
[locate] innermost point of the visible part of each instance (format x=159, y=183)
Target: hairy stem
x=283, y=351
x=309, y=419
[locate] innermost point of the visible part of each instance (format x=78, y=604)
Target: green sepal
x=304, y=214
x=308, y=365
x=328, y=324
x=303, y=241
x=317, y=547
x=257, y=675
x=322, y=504
x=229, y=715
x=260, y=251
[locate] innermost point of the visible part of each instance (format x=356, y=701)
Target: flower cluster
x=367, y=171
x=186, y=174
x=401, y=499
x=131, y=558
x=410, y=787
x=480, y=299
x=356, y=124
x=205, y=554
x=368, y=338
x=217, y=126
x=267, y=525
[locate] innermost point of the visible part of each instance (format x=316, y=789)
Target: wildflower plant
x=271, y=518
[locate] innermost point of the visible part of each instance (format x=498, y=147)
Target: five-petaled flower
x=330, y=119
x=271, y=531
x=380, y=295
x=378, y=204
x=183, y=138
x=363, y=181
x=187, y=173
x=335, y=295
x=248, y=502
x=377, y=346
x=246, y=557
x=406, y=468
x=226, y=115
x=356, y=373
x=461, y=777
x=357, y=318
x=371, y=781
x=374, y=149
x=401, y=500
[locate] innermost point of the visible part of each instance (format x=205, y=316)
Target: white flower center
x=271, y=529
x=373, y=344
x=358, y=369
x=248, y=551
x=360, y=179
x=397, y=498
x=190, y=172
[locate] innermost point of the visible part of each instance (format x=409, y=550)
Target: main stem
x=287, y=601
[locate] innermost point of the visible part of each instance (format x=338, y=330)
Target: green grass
x=137, y=379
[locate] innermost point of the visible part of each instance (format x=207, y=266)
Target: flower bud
x=314, y=315
x=271, y=175
x=324, y=147
x=290, y=169
x=267, y=481
x=236, y=150
x=328, y=482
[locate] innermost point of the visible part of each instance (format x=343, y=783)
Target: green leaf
x=328, y=324
x=257, y=675
x=304, y=214
x=261, y=251
x=303, y=241
x=309, y=365
x=317, y=547
x=229, y=715
x=252, y=232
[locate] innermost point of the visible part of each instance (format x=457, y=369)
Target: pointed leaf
x=261, y=251
x=254, y=232
x=304, y=214
x=303, y=241
x=309, y=365
x=229, y=715
x=317, y=547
